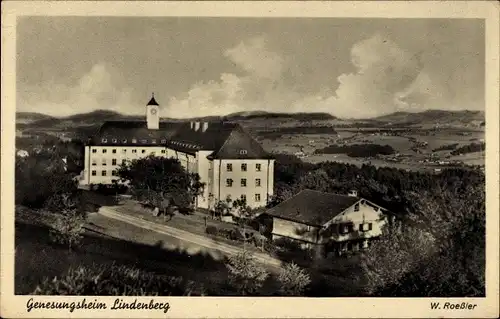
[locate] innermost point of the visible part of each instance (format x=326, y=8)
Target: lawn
x=194, y=223
x=36, y=258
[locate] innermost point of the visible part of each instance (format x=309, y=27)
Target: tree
x=69, y=223
x=39, y=177
x=439, y=251
x=222, y=208
x=245, y=214
x=293, y=280
x=165, y=178
x=245, y=274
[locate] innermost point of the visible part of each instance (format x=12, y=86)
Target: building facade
x=228, y=160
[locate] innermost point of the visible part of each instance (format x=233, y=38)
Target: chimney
x=196, y=126
x=353, y=193
x=192, y=125
x=204, y=126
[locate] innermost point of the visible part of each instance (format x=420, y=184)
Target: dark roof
x=123, y=132
x=240, y=145
x=225, y=139
x=312, y=207
x=188, y=139
x=153, y=101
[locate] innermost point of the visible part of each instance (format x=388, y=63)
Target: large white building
x=229, y=161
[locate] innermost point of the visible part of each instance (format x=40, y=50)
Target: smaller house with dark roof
x=326, y=222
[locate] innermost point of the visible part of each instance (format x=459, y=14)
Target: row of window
x=244, y=167
x=257, y=197
x=134, y=141
x=104, y=173
x=243, y=182
x=349, y=228
x=104, y=151
x=104, y=162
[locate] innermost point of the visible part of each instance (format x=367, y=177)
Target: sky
x=201, y=66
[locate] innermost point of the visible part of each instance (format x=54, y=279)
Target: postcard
x=250, y=159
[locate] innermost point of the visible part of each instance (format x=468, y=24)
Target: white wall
x=290, y=229
x=122, y=152
x=251, y=175
x=365, y=215
x=203, y=164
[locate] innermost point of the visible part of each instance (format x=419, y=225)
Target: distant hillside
x=85, y=119
x=30, y=117
x=439, y=117
x=242, y=116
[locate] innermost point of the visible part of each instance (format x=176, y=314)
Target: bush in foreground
x=293, y=280
x=69, y=223
x=116, y=280
x=245, y=274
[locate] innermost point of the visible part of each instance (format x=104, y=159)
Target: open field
x=415, y=146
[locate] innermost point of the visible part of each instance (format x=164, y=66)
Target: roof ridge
x=223, y=144
x=328, y=193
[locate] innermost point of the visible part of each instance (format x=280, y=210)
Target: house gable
x=240, y=145
x=363, y=212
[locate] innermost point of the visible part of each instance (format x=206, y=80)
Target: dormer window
x=144, y=141
x=104, y=140
x=163, y=141
x=134, y=140
x=243, y=152
x=124, y=140
x=153, y=141
x=114, y=140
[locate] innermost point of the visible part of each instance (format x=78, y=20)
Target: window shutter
x=370, y=226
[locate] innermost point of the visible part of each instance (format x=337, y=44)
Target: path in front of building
x=184, y=240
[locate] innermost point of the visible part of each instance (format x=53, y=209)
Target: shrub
x=116, y=280
x=245, y=274
x=211, y=230
x=68, y=228
x=293, y=280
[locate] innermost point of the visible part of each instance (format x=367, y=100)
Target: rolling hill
x=30, y=117
x=427, y=118
x=433, y=117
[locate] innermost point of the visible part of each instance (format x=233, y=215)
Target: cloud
x=385, y=78
x=383, y=82
x=260, y=86
x=384, y=71
x=254, y=57
x=97, y=89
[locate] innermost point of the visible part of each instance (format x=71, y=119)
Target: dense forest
x=386, y=186
x=446, y=147
x=357, y=150
x=470, y=148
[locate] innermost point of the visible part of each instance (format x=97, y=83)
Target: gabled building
x=326, y=222
x=229, y=161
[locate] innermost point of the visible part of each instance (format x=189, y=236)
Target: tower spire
x=153, y=101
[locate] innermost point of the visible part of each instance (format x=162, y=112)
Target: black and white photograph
x=160, y=156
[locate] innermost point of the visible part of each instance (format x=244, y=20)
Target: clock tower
x=153, y=114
